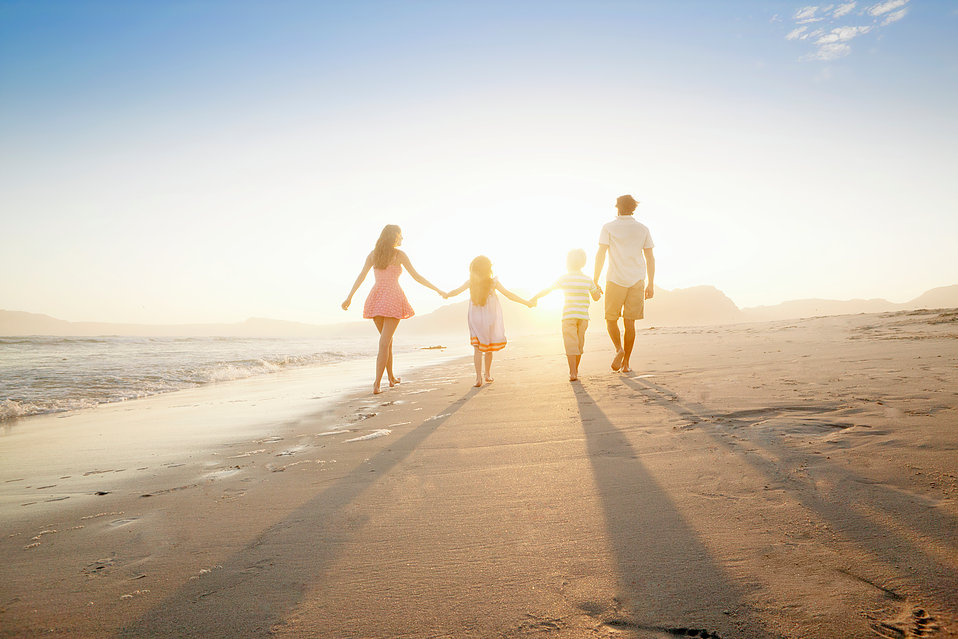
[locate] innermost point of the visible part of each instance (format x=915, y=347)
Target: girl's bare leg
x=489, y=367
x=477, y=358
x=387, y=328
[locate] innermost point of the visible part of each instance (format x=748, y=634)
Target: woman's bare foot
x=393, y=381
x=478, y=383
x=573, y=378
x=376, y=389
x=489, y=379
x=617, y=360
x=626, y=369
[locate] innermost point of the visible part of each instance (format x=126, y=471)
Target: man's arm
x=599, y=263
x=650, y=268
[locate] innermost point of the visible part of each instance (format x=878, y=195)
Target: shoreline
x=777, y=480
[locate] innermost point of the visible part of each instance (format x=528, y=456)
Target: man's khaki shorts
x=624, y=302
x=573, y=335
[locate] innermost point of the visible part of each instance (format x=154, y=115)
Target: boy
x=577, y=287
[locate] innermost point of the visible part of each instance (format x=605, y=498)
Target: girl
x=386, y=303
x=486, y=331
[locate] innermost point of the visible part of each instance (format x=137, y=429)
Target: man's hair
x=626, y=204
x=576, y=259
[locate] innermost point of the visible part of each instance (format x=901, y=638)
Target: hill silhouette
x=695, y=306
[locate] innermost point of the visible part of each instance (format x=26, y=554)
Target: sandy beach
x=783, y=479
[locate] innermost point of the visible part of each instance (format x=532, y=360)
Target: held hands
x=532, y=301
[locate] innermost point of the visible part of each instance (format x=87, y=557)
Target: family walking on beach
x=626, y=242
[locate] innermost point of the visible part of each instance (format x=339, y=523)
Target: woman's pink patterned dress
x=386, y=299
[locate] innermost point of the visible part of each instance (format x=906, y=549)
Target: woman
x=386, y=303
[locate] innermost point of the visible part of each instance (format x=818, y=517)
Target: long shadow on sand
x=260, y=585
x=669, y=582
x=843, y=508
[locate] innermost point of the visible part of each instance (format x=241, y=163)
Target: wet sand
x=784, y=479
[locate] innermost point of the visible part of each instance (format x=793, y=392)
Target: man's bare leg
x=613, y=328
x=629, y=343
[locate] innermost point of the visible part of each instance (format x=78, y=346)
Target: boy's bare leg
x=613, y=328
x=629, y=343
x=489, y=367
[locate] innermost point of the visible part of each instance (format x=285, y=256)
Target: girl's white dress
x=486, y=330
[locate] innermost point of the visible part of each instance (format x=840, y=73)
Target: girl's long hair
x=385, y=251
x=480, y=280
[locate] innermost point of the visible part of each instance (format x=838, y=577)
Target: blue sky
x=210, y=161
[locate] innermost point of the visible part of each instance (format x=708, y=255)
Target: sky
x=192, y=162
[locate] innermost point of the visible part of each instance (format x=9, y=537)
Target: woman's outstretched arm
x=404, y=260
x=359, y=281
x=515, y=298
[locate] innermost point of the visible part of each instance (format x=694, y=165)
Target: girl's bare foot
x=394, y=380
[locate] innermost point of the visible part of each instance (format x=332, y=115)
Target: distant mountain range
x=696, y=306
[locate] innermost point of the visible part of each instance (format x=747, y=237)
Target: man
x=629, y=246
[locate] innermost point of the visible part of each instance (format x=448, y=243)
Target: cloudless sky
x=173, y=162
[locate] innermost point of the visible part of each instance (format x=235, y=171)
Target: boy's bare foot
x=617, y=360
x=395, y=380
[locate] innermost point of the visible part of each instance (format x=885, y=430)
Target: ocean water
x=41, y=375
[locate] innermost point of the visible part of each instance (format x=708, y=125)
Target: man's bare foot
x=376, y=389
x=625, y=368
x=393, y=381
x=489, y=380
x=478, y=383
x=617, y=360
x=573, y=378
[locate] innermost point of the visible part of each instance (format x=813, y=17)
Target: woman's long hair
x=385, y=251
x=480, y=280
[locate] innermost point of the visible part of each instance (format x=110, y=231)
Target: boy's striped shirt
x=578, y=288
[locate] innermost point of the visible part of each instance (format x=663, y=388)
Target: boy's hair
x=480, y=280
x=576, y=259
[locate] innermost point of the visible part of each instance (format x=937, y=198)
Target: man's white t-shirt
x=626, y=238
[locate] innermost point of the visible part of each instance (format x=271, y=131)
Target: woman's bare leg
x=489, y=367
x=387, y=328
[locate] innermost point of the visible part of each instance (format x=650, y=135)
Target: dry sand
x=789, y=479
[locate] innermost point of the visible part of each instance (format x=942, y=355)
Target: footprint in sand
x=918, y=623
x=119, y=523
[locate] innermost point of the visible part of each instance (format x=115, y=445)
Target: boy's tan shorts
x=624, y=302
x=573, y=335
